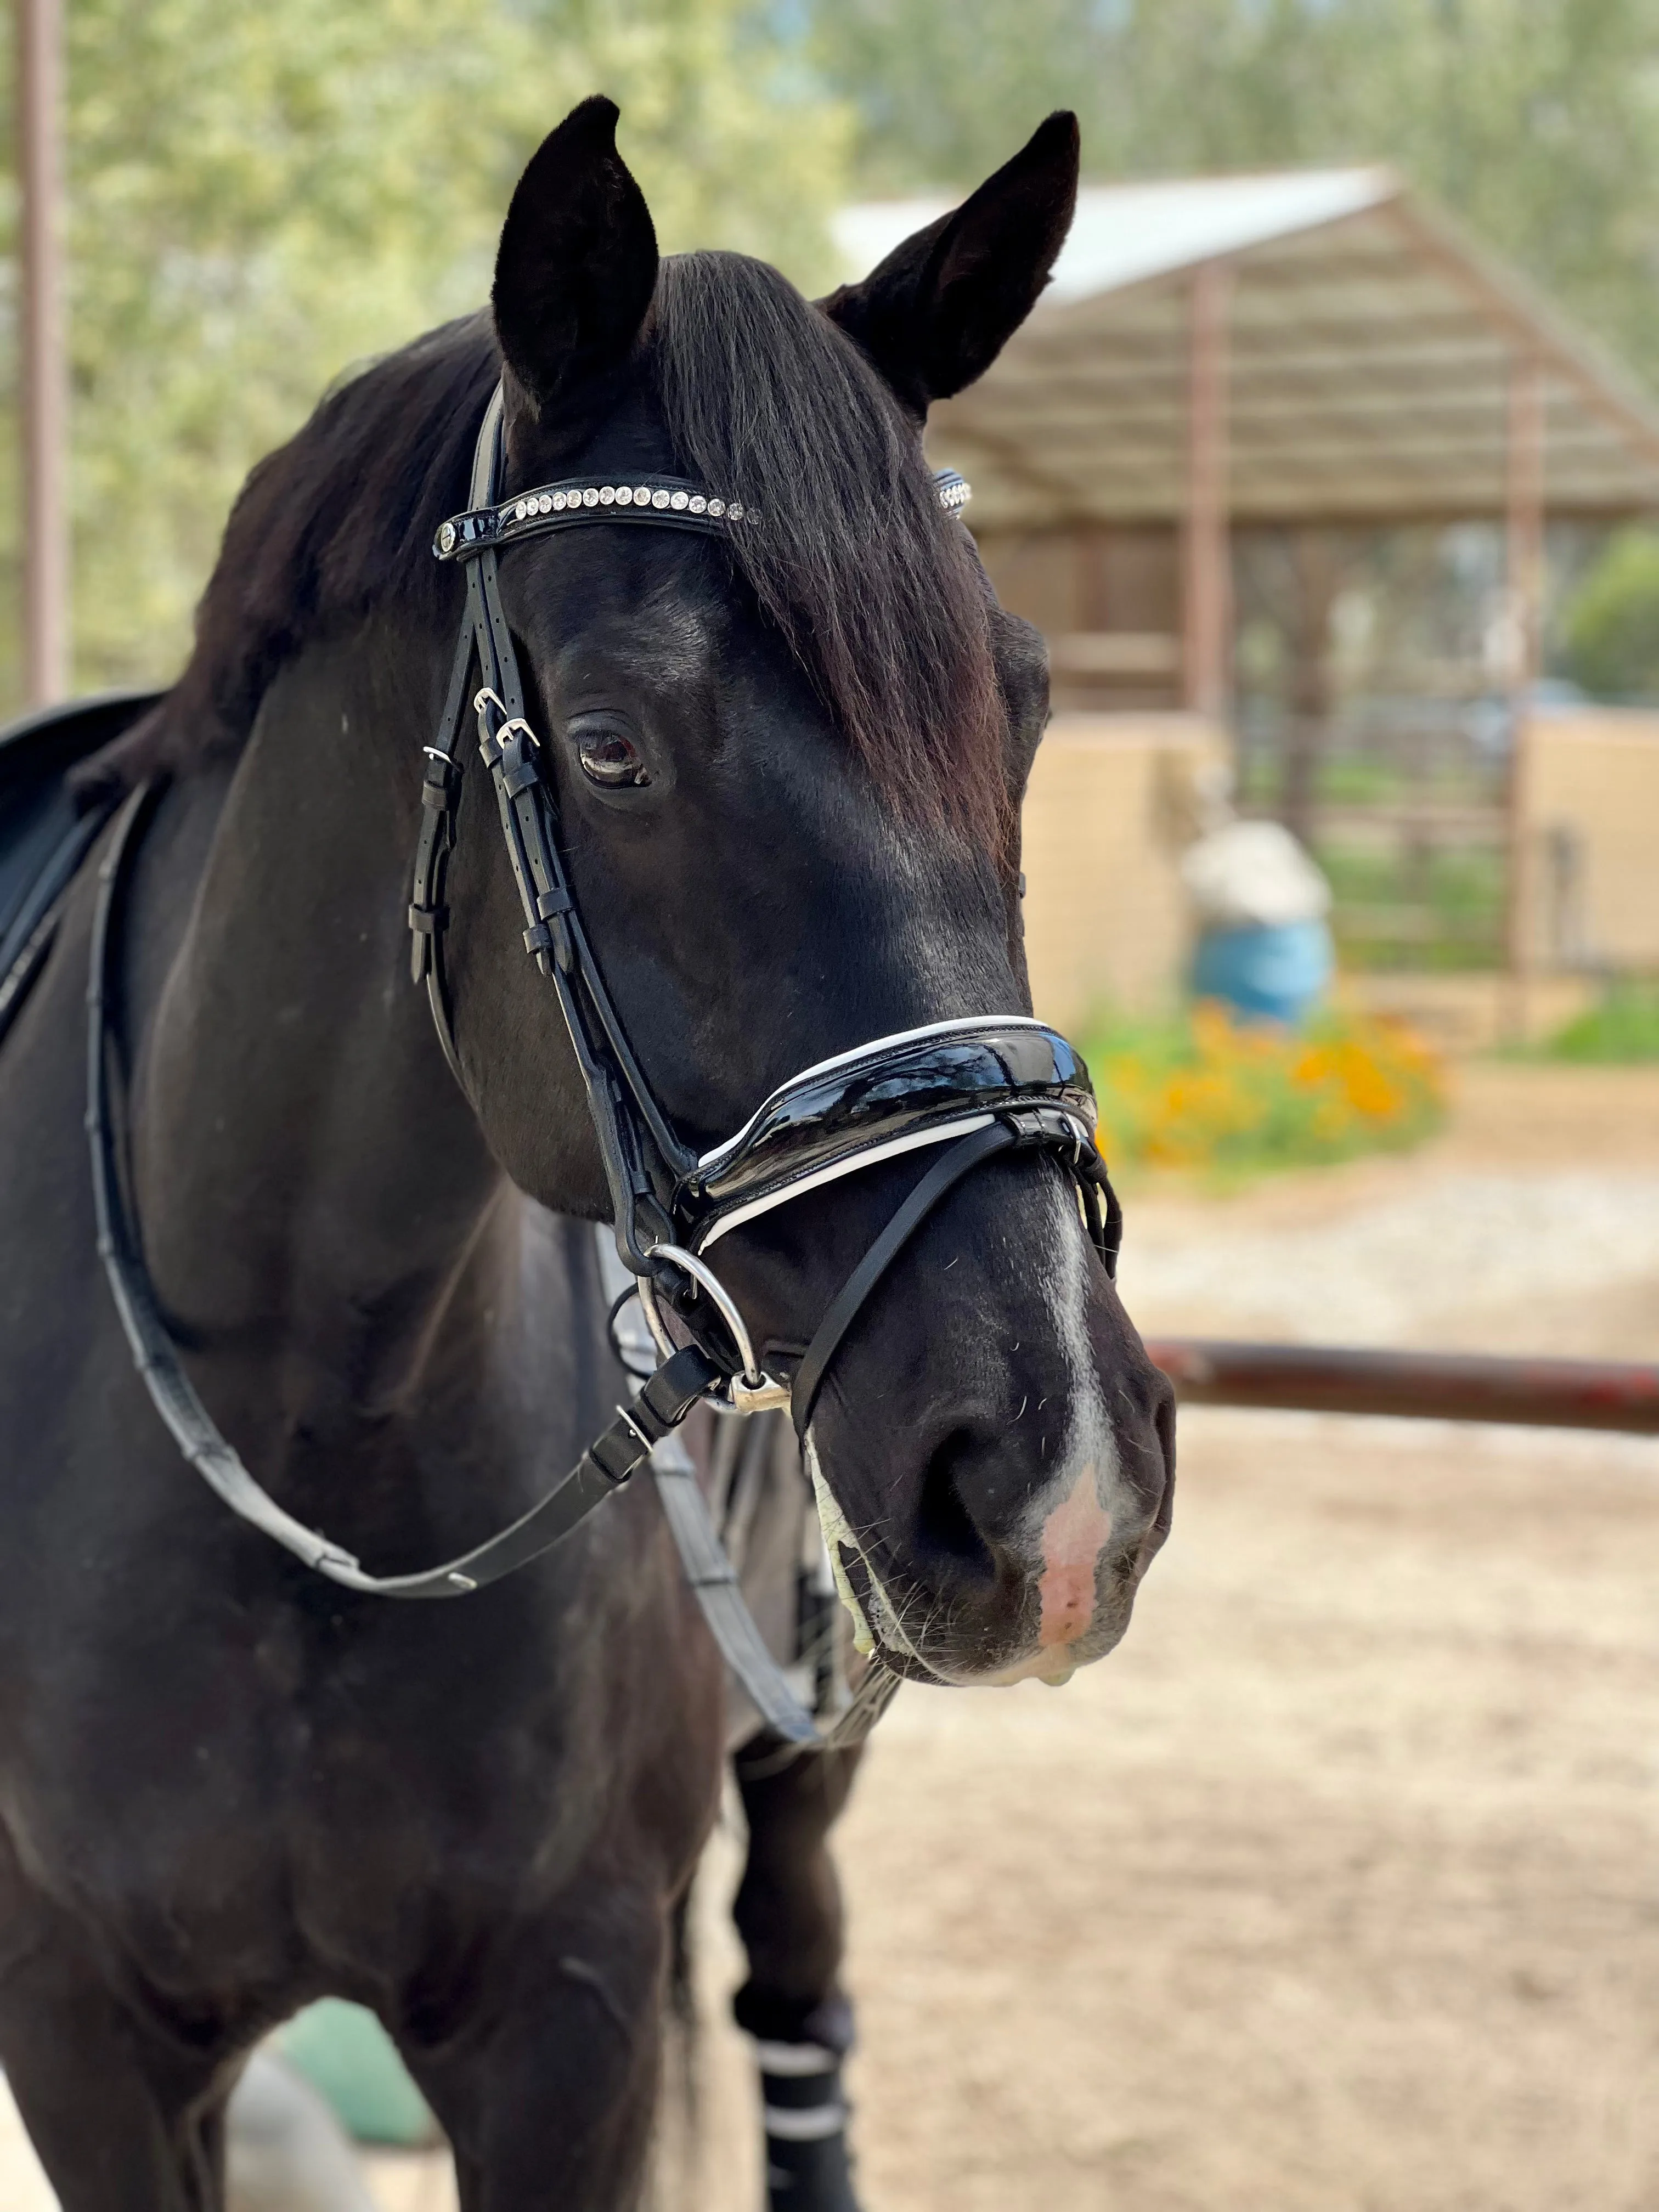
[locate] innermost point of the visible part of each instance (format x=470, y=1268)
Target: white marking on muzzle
x=1066, y=1526
x=1074, y=1532
x=1070, y=1523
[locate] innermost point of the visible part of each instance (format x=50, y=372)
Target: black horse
x=788, y=769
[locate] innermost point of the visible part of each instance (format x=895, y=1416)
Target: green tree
x=1610, y=629
x=261, y=196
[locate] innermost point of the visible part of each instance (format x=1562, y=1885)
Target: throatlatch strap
x=714, y=1582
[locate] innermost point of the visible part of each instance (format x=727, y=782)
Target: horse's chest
x=289, y=1796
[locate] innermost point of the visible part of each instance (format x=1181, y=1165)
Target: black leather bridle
x=982, y=1086
x=966, y=1090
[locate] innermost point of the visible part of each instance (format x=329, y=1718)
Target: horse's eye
x=611, y=760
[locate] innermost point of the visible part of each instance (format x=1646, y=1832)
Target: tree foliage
x=1611, y=626
x=260, y=197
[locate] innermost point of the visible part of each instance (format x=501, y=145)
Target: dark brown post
x=1524, y=583
x=1316, y=570
x=44, y=378
x=1207, y=582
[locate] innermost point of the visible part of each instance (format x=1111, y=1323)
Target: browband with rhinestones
x=671, y=500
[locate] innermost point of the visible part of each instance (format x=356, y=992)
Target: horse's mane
x=876, y=588
x=849, y=554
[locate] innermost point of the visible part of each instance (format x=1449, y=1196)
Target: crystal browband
x=671, y=500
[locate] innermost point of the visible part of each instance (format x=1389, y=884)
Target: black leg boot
x=809, y=2167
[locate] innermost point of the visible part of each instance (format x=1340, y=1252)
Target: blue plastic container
x=1276, y=975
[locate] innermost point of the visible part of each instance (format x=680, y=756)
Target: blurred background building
x=1273, y=466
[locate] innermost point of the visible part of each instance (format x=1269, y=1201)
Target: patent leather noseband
x=964, y=1091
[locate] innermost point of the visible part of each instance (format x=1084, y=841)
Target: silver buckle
x=765, y=1396
x=508, y=722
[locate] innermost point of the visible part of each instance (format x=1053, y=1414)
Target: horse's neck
x=314, y=1191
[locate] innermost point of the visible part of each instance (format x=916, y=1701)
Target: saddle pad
x=44, y=832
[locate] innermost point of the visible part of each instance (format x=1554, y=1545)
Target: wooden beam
x=1374, y=351
x=1115, y=652
x=1524, y=518
x=1021, y=459
x=1206, y=596
x=1524, y=593
x=44, y=373
x=1461, y=481
x=1408, y=413
x=1529, y=326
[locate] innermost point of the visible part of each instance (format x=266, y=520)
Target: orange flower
x=1210, y=1091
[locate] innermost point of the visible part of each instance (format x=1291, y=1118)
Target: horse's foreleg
x=788, y=1912
x=121, y=2119
x=550, y=2104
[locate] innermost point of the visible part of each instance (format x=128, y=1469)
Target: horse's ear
x=941, y=308
x=577, y=263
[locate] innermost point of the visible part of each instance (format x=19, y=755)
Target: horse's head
x=788, y=768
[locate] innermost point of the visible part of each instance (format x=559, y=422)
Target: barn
x=1299, y=349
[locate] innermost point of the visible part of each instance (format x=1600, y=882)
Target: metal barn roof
x=1370, y=351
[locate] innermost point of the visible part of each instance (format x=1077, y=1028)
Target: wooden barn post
x=43, y=375
x=1207, y=579
x=1524, y=586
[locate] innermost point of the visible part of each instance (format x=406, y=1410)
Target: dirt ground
x=1336, y=1889
x=1333, y=1889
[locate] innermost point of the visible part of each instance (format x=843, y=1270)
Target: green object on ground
x=347, y=2056
x=1621, y=1027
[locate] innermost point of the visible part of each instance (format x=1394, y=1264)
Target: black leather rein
x=967, y=1090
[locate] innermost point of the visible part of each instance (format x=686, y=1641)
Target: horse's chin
x=988, y=1655
x=1051, y=1663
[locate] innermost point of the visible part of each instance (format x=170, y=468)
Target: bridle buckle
x=484, y=698
x=765, y=1396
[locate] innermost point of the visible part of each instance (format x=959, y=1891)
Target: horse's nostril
x=943, y=1523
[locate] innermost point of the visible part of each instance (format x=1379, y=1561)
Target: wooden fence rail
x=1559, y=1394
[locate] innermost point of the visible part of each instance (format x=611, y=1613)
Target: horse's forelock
x=846, y=548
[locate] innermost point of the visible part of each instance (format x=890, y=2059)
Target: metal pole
x=1557, y=1393
x=44, y=373
x=1206, y=567
x=1523, y=565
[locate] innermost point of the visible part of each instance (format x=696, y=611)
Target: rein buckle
x=765, y=1396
